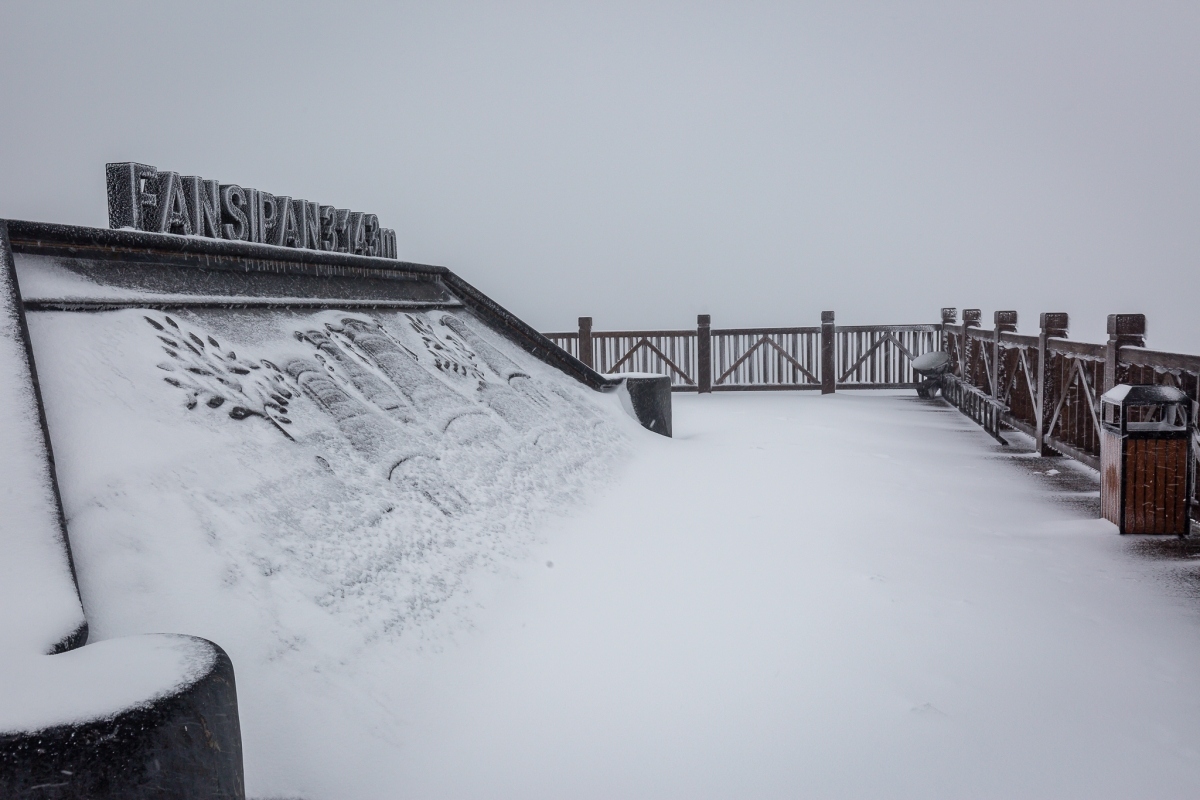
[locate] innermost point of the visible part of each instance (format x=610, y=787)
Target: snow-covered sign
x=143, y=198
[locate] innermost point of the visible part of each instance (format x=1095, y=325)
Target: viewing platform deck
x=858, y=595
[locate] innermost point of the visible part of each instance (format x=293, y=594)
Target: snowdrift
x=302, y=456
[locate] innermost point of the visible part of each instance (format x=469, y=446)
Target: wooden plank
x=1156, y=465
x=1140, y=356
x=641, y=334
x=933, y=328
x=828, y=354
x=1108, y=474
x=645, y=343
x=1127, y=525
x=897, y=385
x=1135, y=497
x=1176, y=489
x=1183, y=489
x=1124, y=494
x=1070, y=451
x=1182, y=524
x=978, y=334
x=1158, y=483
x=1077, y=349
x=1018, y=339
x=1017, y=423
x=1142, y=480
x=811, y=330
x=781, y=387
x=586, y=349
x=1170, y=468
x=867, y=352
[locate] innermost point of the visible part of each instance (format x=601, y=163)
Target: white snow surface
x=797, y=596
x=38, y=604
x=96, y=681
x=319, y=493
x=806, y=596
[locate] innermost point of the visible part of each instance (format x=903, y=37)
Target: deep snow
x=798, y=595
x=804, y=596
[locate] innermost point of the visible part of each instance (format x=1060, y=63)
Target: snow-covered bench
x=142, y=716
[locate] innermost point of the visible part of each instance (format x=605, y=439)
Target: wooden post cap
x=826, y=317
x=704, y=320
x=1126, y=324
x=1005, y=320
x=972, y=316
x=1054, y=323
x=949, y=315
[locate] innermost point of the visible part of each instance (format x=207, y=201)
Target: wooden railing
x=1043, y=385
x=977, y=405
x=827, y=357
x=612, y=352
x=1049, y=386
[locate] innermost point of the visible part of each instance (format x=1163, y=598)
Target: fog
x=643, y=162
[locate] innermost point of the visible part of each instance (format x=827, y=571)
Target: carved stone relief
x=399, y=404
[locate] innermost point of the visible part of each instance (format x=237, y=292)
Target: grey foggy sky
x=642, y=162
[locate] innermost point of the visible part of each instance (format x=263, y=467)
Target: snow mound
x=98, y=681
x=312, y=489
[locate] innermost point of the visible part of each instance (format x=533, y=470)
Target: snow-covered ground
x=797, y=596
x=804, y=596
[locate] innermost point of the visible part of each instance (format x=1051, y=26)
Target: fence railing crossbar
x=765, y=340
x=644, y=342
x=1039, y=385
x=874, y=348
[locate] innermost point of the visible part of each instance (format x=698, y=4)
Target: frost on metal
x=145, y=199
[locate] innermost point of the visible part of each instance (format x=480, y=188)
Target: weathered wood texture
x=1050, y=388
x=1155, y=473
x=671, y=353
x=1044, y=385
x=827, y=357
x=978, y=405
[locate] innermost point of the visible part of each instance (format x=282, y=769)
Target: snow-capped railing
x=1043, y=385
x=1050, y=385
x=826, y=357
x=976, y=404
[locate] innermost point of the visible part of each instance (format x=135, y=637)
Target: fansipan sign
x=141, y=197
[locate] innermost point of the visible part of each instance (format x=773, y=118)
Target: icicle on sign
x=141, y=197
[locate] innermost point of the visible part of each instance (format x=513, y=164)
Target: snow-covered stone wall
x=317, y=461
x=364, y=463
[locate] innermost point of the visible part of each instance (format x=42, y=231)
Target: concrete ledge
x=186, y=744
x=647, y=397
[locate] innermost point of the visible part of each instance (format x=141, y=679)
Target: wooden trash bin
x=1146, y=459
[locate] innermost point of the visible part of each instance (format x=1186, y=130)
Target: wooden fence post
x=1051, y=324
x=585, y=341
x=971, y=319
x=703, y=353
x=1006, y=322
x=828, y=359
x=949, y=317
x=1124, y=330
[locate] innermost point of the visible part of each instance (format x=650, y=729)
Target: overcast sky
x=642, y=162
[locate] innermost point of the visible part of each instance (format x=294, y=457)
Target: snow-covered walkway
x=805, y=596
